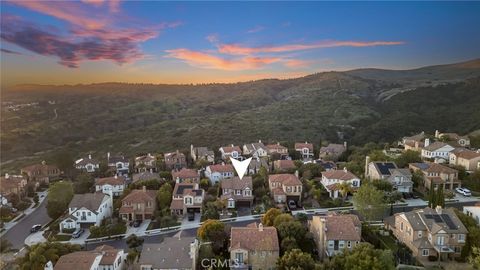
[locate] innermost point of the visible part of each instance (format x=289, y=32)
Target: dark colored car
x=292, y=205
x=78, y=233
x=36, y=228
x=191, y=216
x=137, y=223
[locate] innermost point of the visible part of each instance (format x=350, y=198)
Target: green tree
x=431, y=196
x=59, y=196
x=205, y=183
x=363, y=257
x=440, y=197
x=38, y=255
x=295, y=259
x=474, y=258
x=5, y=245
x=344, y=188
x=83, y=183
x=409, y=156
x=213, y=231
x=269, y=217
x=133, y=241
x=164, y=196
x=282, y=218
x=383, y=185
x=369, y=201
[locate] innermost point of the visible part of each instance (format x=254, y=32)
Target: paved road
x=17, y=234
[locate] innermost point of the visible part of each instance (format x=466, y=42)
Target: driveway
x=138, y=230
x=81, y=240
x=18, y=233
x=462, y=198
x=185, y=220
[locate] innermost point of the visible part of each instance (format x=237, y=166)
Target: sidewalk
x=35, y=238
x=8, y=225
x=140, y=230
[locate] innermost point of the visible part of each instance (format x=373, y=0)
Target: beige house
x=277, y=149
x=465, y=158
x=41, y=173
x=254, y=247
x=454, y=138
x=415, y=142
x=285, y=187
x=438, y=174
x=186, y=197
x=429, y=232
x=335, y=233
x=139, y=204
x=185, y=175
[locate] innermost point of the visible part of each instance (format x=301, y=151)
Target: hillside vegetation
x=357, y=106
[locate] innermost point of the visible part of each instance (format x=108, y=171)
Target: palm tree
x=344, y=188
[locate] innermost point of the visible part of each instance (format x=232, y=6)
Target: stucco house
x=12, y=185
x=285, y=187
x=185, y=175
x=278, y=149
x=111, y=185
x=87, y=210
x=255, y=150
x=254, y=247
x=186, y=197
x=332, y=179
x=175, y=160
x=284, y=165
x=401, y=180
x=232, y=151
x=139, y=204
x=145, y=163
x=415, y=142
x=219, y=171
x=237, y=192
x=41, y=173
x=202, y=153
x=438, y=174
x=103, y=257
x=332, y=151
x=453, y=138
x=437, y=151
x=305, y=150
x=87, y=164
x=118, y=164
x=466, y=158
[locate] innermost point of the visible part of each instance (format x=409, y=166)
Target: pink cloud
x=297, y=63
x=205, y=60
x=236, y=49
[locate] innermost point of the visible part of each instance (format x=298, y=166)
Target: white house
x=333, y=178
x=87, y=210
x=219, y=171
x=101, y=258
x=473, y=211
x=255, y=150
x=118, y=163
x=230, y=151
x=438, y=151
x=111, y=185
x=87, y=164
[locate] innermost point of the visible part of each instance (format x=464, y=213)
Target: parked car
x=464, y=191
x=292, y=205
x=191, y=216
x=137, y=223
x=36, y=228
x=77, y=233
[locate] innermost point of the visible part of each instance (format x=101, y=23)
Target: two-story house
x=186, y=198
x=466, y=158
x=41, y=173
x=255, y=150
x=219, y=171
x=332, y=179
x=401, y=180
x=284, y=165
x=177, y=252
x=111, y=185
x=378, y=170
x=101, y=258
x=87, y=164
x=305, y=150
x=438, y=174
x=256, y=164
x=118, y=164
x=175, y=160
x=145, y=176
x=254, y=247
x=12, y=185
x=335, y=233
x=139, y=204
x=437, y=151
x=145, y=163
x=285, y=187
x=231, y=151
x=277, y=149
x=202, y=153
x=237, y=192
x=414, y=142
x=453, y=138
x=429, y=232
x=185, y=175
x=86, y=210
x=332, y=151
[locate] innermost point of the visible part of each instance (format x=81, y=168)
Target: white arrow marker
x=240, y=166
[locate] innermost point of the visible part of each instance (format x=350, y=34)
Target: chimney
x=115, y=176
x=151, y=170
x=144, y=188
x=416, y=145
x=345, y=145
x=278, y=143
x=7, y=176
x=108, y=156
x=367, y=161
x=438, y=209
x=437, y=134
x=260, y=227
x=259, y=141
x=89, y=156
x=345, y=169
x=44, y=162
x=427, y=142
x=296, y=173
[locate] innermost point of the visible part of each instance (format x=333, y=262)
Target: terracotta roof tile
x=285, y=179
x=254, y=239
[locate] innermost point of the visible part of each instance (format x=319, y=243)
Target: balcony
x=443, y=249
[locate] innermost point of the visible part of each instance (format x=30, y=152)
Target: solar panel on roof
x=384, y=168
x=449, y=221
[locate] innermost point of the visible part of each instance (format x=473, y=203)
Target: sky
x=91, y=41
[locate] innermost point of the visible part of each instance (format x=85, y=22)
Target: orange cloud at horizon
x=236, y=49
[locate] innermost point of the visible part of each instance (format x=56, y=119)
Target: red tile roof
x=221, y=168
x=339, y=174
x=254, y=239
x=285, y=179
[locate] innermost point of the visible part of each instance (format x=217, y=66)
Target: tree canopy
x=269, y=217
x=362, y=257
x=59, y=196
x=295, y=259
x=38, y=255
x=369, y=201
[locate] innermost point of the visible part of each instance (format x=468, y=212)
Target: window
x=425, y=252
x=419, y=233
x=401, y=227
x=440, y=240
x=349, y=244
x=239, y=257
x=461, y=238
x=238, y=192
x=89, y=213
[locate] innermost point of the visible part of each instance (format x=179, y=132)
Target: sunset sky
x=194, y=42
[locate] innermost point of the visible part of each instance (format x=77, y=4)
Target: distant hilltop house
x=437, y=174
x=87, y=210
x=87, y=164
x=119, y=164
x=219, y=171
x=305, y=149
x=437, y=151
x=12, y=185
x=175, y=160
x=139, y=204
x=254, y=247
x=185, y=175
x=114, y=185
x=429, y=232
x=468, y=159
x=186, y=198
x=237, y=192
x=333, y=234
x=231, y=151
x=41, y=173
x=285, y=187
x=278, y=149
x=332, y=151
x=255, y=150
x=401, y=179
x=102, y=257
x=145, y=163
x=331, y=181
x=202, y=153
x=415, y=142
x=453, y=138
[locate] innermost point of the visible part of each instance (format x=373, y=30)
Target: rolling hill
x=358, y=106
